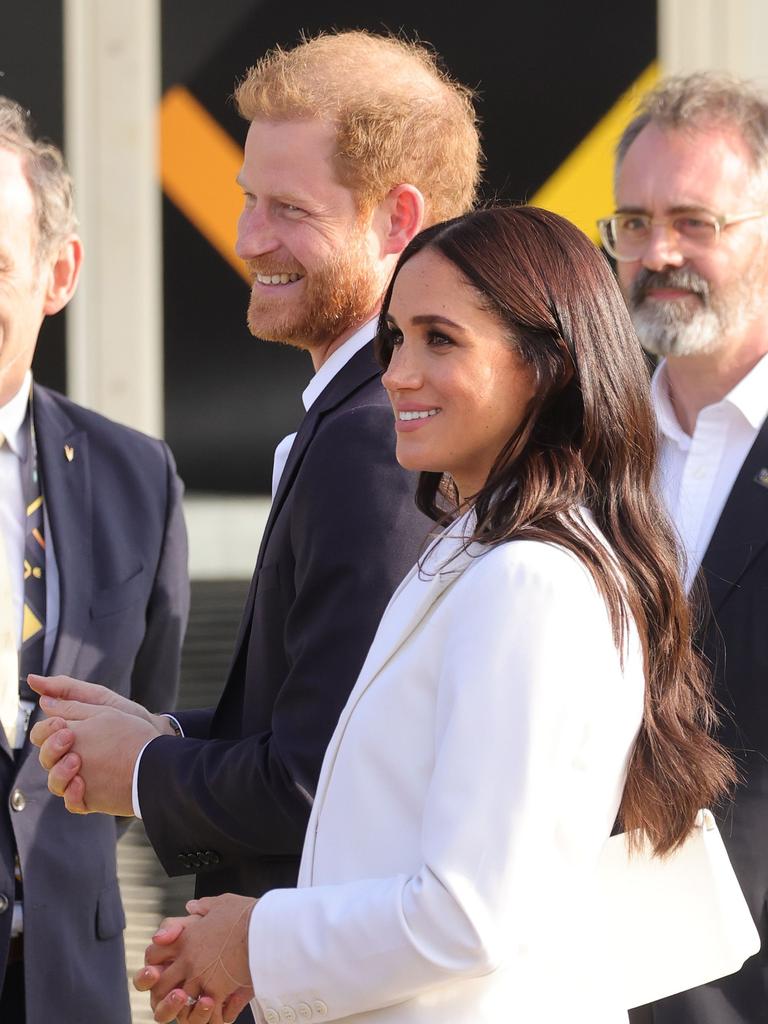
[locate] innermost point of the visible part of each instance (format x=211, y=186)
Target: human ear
x=402, y=217
x=63, y=273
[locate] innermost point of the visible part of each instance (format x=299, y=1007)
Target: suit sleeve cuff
x=135, y=783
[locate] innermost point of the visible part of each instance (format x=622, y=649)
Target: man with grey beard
x=690, y=237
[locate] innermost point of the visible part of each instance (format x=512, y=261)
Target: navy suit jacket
x=120, y=546
x=232, y=800
x=734, y=637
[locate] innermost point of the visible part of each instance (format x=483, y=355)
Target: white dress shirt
x=317, y=385
x=311, y=393
x=696, y=474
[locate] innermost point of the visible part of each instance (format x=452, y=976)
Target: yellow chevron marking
x=581, y=189
x=31, y=625
x=199, y=162
x=31, y=509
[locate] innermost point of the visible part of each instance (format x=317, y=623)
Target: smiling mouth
x=277, y=278
x=403, y=416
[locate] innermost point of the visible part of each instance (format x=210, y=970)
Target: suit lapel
x=67, y=492
x=742, y=530
x=360, y=369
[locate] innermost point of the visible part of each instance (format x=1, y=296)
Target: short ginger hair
x=399, y=118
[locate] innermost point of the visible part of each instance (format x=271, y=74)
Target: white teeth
x=277, y=278
x=417, y=415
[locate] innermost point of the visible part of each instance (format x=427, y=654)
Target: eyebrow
x=680, y=208
x=433, y=318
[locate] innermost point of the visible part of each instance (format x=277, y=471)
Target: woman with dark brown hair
x=531, y=680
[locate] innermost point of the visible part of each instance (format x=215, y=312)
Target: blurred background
x=138, y=96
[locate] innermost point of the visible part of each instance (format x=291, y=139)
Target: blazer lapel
x=360, y=369
x=742, y=530
x=65, y=470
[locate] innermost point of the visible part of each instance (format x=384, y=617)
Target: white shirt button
x=272, y=1017
x=288, y=1014
x=320, y=1008
x=304, y=1011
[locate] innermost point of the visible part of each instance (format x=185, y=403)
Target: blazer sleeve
x=355, y=532
x=531, y=730
x=155, y=677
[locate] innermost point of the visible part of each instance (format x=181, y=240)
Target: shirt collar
x=669, y=425
x=12, y=416
x=749, y=397
x=336, y=361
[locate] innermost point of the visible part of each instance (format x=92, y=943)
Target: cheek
x=626, y=274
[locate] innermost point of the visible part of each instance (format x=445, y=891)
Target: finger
x=71, y=710
x=171, y=980
x=234, y=1005
x=74, y=796
x=41, y=731
x=66, y=688
x=200, y=907
x=63, y=772
x=169, y=931
x=168, y=1008
x=147, y=978
x=56, y=746
x=156, y=954
x=202, y=1011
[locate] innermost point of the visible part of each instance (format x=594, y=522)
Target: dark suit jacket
x=232, y=801
x=120, y=548
x=734, y=638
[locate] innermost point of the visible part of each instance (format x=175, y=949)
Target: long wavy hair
x=588, y=438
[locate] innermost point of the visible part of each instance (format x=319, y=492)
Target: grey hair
x=46, y=173
x=702, y=100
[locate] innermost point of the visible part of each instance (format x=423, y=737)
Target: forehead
x=15, y=194
x=291, y=156
x=429, y=284
x=710, y=168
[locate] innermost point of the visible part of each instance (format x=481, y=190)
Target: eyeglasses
x=626, y=235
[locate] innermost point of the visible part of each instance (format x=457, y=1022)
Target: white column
x=723, y=35
x=112, y=86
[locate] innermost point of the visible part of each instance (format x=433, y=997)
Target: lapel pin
x=761, y=477
x=69, y=453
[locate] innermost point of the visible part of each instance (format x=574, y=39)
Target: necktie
x=33, y=628
x=9, y=660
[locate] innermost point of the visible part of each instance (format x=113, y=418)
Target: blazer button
x=319, y=1007
x=4, y=904
x=18, y=800
x=288, y=1014
x=272, y=1017
x=305, y=1011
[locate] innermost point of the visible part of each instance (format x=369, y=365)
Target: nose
x=255, y=236
x=404, y=371
x=662, y=249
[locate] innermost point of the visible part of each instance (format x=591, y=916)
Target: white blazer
x=470, y=784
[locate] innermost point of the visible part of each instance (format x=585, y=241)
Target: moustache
x=682, y=278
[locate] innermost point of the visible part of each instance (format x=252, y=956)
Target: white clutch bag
x=676, y=922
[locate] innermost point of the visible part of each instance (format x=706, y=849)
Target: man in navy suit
x=355, y=142
x=691, y=238
x=113, y=606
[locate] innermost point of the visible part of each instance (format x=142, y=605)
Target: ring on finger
x=191, y=1000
